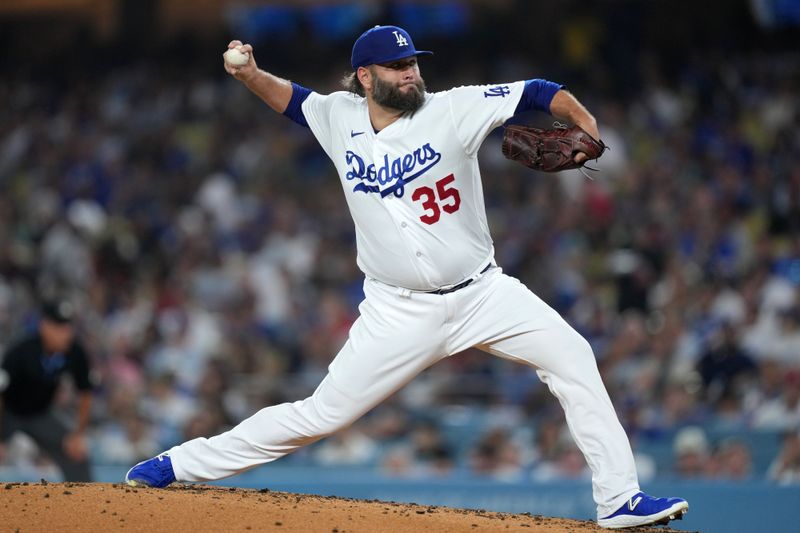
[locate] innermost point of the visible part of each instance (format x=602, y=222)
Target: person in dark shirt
x=724, y=364
x=30, y=374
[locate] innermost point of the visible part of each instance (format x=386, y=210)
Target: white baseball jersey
x=414, y=191
x=414, y=188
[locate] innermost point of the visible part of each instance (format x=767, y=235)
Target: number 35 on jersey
x=444, y=198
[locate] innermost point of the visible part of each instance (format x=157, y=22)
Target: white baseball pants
x=399, y=334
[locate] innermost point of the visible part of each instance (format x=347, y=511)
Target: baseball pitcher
x=407, y=161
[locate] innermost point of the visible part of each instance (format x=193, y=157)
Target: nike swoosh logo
x=633, y=503
x=355, y=133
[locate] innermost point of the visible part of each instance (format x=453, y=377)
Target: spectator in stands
x=732, y=461
x=431, y=449
x=131, y=438
x=350, y=447
x=783, y=412
x=567, y=464
x=785, y=469
x=425, y=454
x=496, y=456
x=691, y=450
x=724, y=364
x=549, y=433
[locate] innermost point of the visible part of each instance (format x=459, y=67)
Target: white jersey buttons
x=403, y=225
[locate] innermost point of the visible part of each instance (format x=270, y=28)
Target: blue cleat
x=156, y=472
x=644, y=510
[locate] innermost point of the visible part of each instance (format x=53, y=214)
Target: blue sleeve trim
x=537, y=95
x=295, y=108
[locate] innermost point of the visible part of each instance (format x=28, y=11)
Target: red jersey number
x=449, y=199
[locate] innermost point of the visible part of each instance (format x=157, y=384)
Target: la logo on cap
x=375, y=46
x=401, y=41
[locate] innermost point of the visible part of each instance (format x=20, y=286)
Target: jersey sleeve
x=295, y=108
x=478, y=109
x=318, y=110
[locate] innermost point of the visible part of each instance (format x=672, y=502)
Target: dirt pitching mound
x=92, y=507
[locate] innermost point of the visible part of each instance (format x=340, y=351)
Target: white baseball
x=236, y=58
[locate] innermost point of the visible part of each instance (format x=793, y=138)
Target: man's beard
x=389, y=95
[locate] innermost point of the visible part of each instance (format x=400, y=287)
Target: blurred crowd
x=208, y=245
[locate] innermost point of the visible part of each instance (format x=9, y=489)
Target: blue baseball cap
x=383, y=44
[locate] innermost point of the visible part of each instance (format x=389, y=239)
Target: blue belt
x=461, y=285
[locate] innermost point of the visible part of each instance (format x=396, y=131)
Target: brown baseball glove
x=550, y=150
